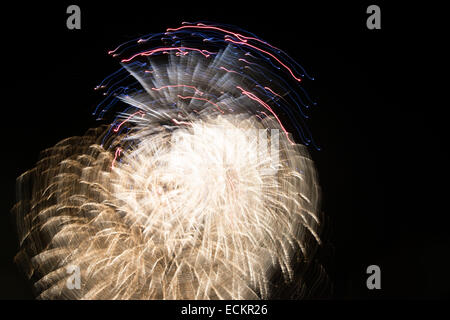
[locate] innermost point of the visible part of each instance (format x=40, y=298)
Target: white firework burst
x=201, y=198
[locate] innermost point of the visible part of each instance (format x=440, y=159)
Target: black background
x=380, y=131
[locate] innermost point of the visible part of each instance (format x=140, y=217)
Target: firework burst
x=195, y=191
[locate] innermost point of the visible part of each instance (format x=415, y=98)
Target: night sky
x=381, y=139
